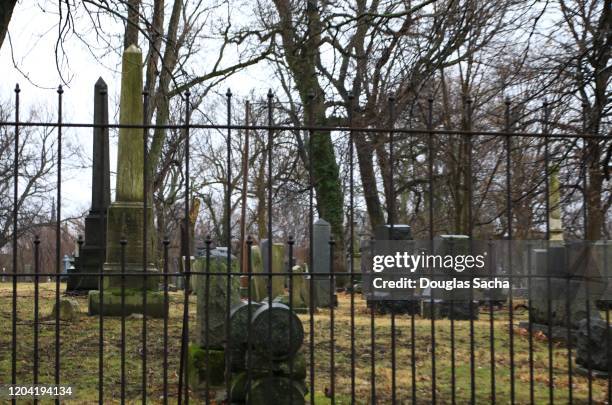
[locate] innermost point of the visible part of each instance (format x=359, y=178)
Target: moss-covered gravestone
x=212, y=311
x=276, y=266
x=126, y=214
x=269, y=368
x=258, y=280
x=276, y=390
x=68, y=310
x=207, y=356
x=301, y=289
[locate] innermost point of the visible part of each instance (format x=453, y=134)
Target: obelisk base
x=92, y=256
x=133, y=303
x=124, y=264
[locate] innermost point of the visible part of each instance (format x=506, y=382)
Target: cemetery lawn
x=79, y=354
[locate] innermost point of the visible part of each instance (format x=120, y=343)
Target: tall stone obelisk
x=554, y=216
x=92, y=254
x=126, y=214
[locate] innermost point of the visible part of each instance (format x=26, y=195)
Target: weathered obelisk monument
x=554, y=217
x=92, y=254
x=126, y=214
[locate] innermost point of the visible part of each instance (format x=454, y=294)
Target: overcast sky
x=33, y=35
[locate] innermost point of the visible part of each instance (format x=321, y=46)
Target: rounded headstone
x=239, y=318
x=591, y=344
x=271, y=336
x=239, y=331
x=68, y=309
x=276, y=390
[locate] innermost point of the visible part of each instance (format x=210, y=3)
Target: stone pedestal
x=202, y=362
x=91, y=257
x=133, y=303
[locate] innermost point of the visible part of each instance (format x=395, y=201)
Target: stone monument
x=207, y=355
x=592, y=345
x=217, y=311
x=400, y=301
x=126, y=215
x=458, y=303
x=273, y=360
x=563, y=272
x=321, y=260
x=554, y=217
x=278, y=259
x=92, y=254
x=258, y=280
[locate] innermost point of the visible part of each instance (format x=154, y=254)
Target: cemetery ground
x=79, y=353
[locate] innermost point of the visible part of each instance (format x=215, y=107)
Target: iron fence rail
x=336, y=373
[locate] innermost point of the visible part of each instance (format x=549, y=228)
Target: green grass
x=79, y=355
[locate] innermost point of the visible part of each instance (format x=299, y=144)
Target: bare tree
x=36, y=160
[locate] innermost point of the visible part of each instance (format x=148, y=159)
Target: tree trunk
x=301, y=56
x=368, y=180
x=6, y=12
x=131, y=24
x=329, y=197
x=595, y=214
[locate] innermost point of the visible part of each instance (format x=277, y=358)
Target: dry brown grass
x=79, y=354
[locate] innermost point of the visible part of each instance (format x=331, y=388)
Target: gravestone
x=592, y=345
x=270, y=328
x=92, y=254
x=395, y=232
x=239, y=331
x=365, y=262
x=301, y=291
x=554, y=217
x=603, y=255
x=399, y=301
x=353, y=264
x=125, y=217
x=68, y=310
x=276, y=390
x=458, y=303
x=66, y=261
x=278, y=266
x=212, y=313
x=321, y=260
x=559, y=279
x=271, y=368
x=217, y=312
x=259, y=282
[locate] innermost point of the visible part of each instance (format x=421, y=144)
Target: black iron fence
x=354, y=350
